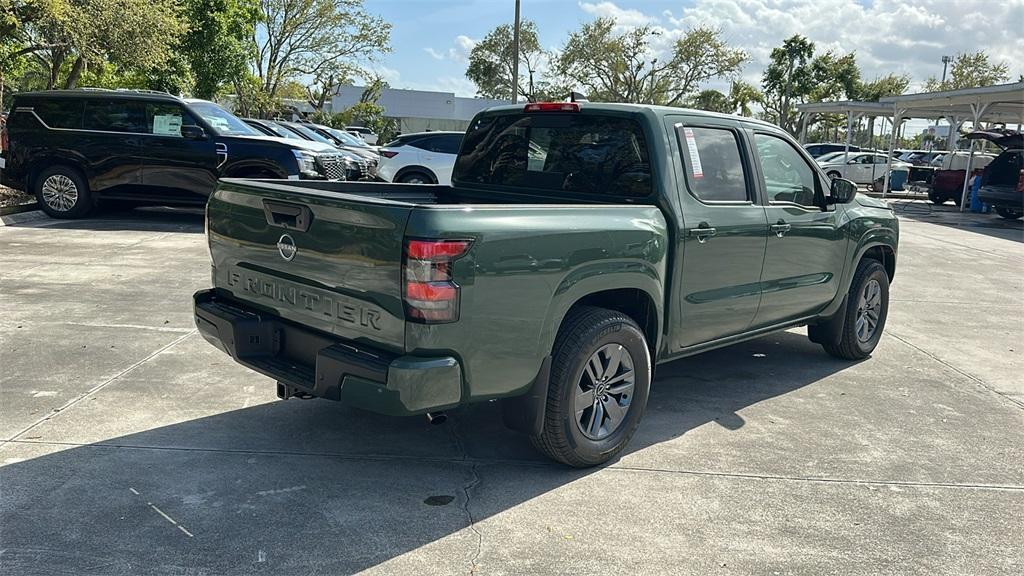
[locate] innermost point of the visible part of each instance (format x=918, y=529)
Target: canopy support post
x=977, y=110
x=897, y=114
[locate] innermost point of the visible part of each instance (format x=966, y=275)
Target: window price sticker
x=691, y=145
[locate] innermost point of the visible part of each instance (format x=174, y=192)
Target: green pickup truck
x=579, y=245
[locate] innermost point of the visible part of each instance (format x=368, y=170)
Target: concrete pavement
x=130, y=446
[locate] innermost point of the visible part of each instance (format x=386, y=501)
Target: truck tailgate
x=327, y=260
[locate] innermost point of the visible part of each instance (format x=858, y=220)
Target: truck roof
x=659, y=110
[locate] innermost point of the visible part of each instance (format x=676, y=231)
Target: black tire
x=415, y=177
x=1009, y=213
x=63, y=192
x=852, y=346
x=585, y=333
x=937, y=198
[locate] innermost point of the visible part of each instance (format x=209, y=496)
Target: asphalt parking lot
x=131, y=446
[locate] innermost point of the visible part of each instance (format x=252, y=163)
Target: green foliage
x=712, y=101
x=616, y=66
x=741, y=95
x=971, y=70
x=787, y=79
x=218, y=47
x=890, y=85
x=491, y=63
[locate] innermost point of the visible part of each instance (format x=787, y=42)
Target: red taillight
x=552, y=107
x=1020, y=182
x=388, y=153
x=431, y=294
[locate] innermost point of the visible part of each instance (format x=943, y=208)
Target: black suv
x=74, y=147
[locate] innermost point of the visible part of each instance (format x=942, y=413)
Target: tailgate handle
x=285, y=215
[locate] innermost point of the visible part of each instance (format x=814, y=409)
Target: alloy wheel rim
x=869, y=311
x=604, y=391
x=60, y=193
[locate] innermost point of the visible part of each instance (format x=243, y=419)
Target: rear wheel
x=865, y=314
x=415, y=178
x=62, y=192
x=1009, y=213
x=600, y=379
x=936, y=198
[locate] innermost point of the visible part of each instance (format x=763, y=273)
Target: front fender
x=868, y=229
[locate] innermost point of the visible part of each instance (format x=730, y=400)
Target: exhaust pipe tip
x=437, y=418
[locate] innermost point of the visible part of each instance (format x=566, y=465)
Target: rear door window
x=714, y=167
x=114, y=116
x=166, y=119
x=559, y=152
x=59, y=112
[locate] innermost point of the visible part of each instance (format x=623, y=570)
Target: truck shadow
x=149, y=219
x=313, y=487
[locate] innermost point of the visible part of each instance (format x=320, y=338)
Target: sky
x=431, y=39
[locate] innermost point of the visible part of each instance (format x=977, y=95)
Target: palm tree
x=742, y=95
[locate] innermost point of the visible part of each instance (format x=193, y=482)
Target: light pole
x=942, y=86
x=515, y=58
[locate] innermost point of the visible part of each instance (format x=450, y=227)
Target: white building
x=419, y=110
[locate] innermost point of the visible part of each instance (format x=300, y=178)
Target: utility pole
x=515, y=58
x=945, y=62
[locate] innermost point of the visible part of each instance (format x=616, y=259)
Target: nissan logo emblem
x=286, y=247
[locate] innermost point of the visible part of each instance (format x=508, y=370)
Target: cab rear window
x=572, y=152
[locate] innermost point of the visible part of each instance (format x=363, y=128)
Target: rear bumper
x=315, y=363
x=1005, y=196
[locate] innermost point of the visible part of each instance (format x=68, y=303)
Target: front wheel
x=597, y=392
x=866, y=311
x=62, y=192
x=1009, y=213
x=415, y=178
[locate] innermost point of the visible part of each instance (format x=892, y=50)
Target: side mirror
x=842, y=191
x=190, y=132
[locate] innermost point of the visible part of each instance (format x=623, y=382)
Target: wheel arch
x=241, y=169
x=415, y=168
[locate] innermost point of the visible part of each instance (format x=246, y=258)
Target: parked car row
x=73, y=149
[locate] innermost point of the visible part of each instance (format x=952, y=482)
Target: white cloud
x=888, y=36
x=624, y=16
x=457, y=53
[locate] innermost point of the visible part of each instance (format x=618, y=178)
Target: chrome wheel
x=869, y=310
x=60, y=193
x=604, y=391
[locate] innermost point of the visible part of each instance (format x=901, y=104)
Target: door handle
x=703, y=232
x=780, y=229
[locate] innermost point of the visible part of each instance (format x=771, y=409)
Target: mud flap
x=526, y=413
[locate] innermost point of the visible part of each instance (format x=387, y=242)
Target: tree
x=970, y=70
x=741, y=95
x=787, y=79
x=64, y=37
x=712, y=101
x=619, y=66
x=321, y=39
x=491, y=63
x=890, y=85
x=217, y=48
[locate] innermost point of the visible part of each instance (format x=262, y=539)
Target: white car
x=368, y=136
x=421, y=158
x=861, y=167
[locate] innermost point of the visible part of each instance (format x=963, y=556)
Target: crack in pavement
x=466, y=490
